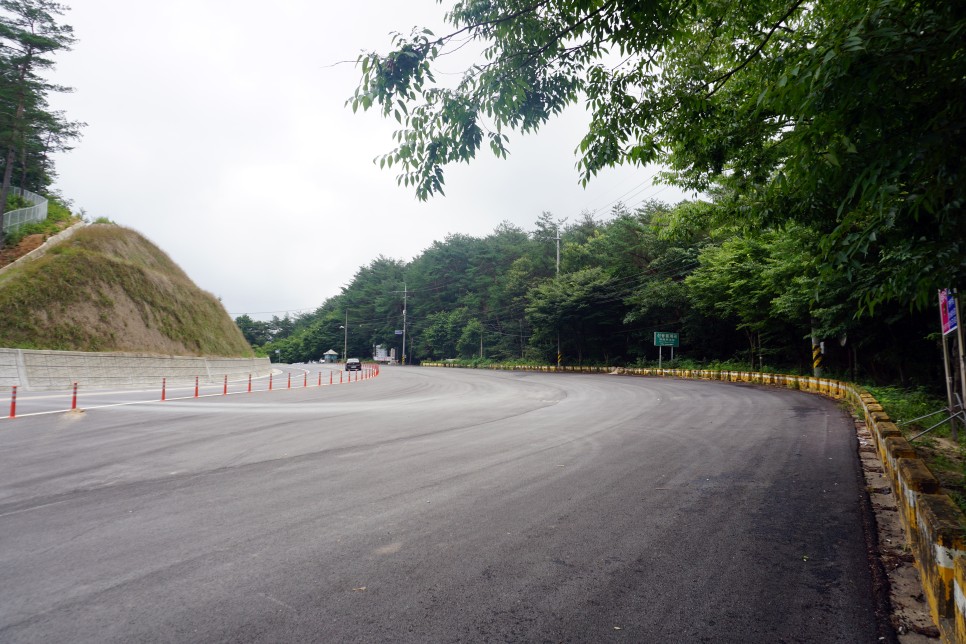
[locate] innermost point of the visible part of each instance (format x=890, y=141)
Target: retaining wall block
x=879, y=417
x=9, y=374
x=942, y=539
x=895, y=448
x=959, y=599
x=882, y=431
x=914, y=480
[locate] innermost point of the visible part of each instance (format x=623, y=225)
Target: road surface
x=431, y=505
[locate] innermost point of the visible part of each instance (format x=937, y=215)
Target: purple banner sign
x=947, y=311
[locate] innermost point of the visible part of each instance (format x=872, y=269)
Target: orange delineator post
x=330, y=377
x=249, y=383
x=305, y=380
x=340, y=377
x=196, y=386
x=290, y=380
x=73, y=402
x=164, y=384
x=320, y=378
x=270, y=381
x=13, y=402
x=224, y=392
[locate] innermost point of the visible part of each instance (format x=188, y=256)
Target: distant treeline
x=746, y=296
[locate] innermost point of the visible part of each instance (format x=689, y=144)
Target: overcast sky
x=218, y=129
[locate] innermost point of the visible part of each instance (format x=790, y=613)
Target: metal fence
x=16, y=218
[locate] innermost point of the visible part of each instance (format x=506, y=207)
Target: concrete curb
x=934, y=524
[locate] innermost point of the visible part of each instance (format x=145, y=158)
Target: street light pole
x=345, y=338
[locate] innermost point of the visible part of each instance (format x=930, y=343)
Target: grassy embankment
x=109, y=289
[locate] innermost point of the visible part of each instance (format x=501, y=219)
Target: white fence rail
x=17, y=218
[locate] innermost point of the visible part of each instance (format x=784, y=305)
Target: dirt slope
x=109, y=289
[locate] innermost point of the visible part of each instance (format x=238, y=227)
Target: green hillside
x=109, y=289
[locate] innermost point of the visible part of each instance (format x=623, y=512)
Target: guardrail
x=934, y=524
x=14, y=219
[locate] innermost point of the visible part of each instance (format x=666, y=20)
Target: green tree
x=582, y=310
x=29, y=35
x=442, y=332
x=846, y=117
x=470, y=342
x=768, y=284
x=256, y=332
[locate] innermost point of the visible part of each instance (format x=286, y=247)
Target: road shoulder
x=890, y=554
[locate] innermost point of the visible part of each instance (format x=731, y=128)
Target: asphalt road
x=432, y=505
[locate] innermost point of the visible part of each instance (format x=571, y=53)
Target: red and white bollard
x=305, y=380
x=340, y=377
x=320, y=378
x=270, y=381
x=249, y=383
x=290, y=380
x=330, y=377
x=73, y=402
x=224, y=392
x=13, y=401
x=164, y=383
x=196, y=386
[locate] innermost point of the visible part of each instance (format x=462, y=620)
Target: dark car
x=353, y=364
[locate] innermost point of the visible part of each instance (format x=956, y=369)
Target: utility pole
x=345, y=338
x=817, y=351
x=405, y=295
x=558, y=276
x=558, y=249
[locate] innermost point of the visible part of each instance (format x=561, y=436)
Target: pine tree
x=29, y=35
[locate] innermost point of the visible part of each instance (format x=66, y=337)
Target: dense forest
x=751, y=297
x=827, y=137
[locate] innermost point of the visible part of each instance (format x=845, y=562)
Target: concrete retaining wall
x=934, y=524
x=49, y=370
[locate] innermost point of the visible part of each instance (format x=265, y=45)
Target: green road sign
x=666, y=339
